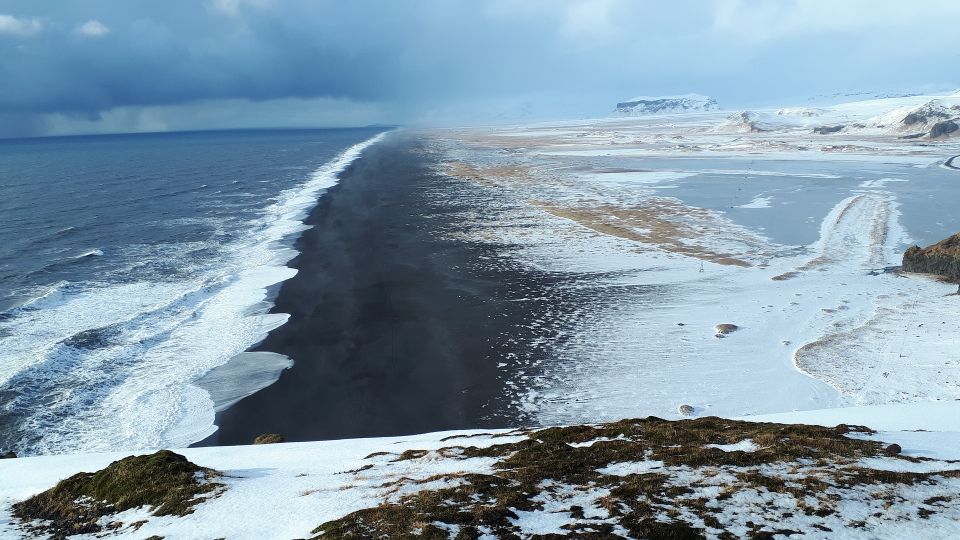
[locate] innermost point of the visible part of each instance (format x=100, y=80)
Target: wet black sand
x=395, y=327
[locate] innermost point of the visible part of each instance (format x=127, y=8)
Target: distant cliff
x=942, y=259
x=649, y=105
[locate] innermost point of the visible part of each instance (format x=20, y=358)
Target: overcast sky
x=148, y=65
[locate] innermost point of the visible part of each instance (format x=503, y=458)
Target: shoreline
x=949, y=163
x=395, y=327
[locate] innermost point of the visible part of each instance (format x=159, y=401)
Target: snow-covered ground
x=666, y=226
x=287, y=490
x=273, y=491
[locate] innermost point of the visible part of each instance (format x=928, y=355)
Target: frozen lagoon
x=668, y=228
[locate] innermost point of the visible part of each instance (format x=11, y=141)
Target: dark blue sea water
x=131, y=265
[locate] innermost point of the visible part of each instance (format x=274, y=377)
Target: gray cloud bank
x=102, y=65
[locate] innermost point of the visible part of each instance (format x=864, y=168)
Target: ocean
x=133, y=265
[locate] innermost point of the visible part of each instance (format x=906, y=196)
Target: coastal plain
x=729, y=282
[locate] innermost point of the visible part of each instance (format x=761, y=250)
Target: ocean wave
x=67, y=262
x=46, y=296
x=53, y=235
x=88, y=254
x=100, y=366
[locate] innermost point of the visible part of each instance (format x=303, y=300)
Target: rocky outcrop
x=943, y=129
x=725, y=328
x=928, y=113
x=942, y=259
x=746, y=122
x=933, y=119
x=824, y=130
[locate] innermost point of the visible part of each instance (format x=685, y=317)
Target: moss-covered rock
x=165, y=481
x=269, y=438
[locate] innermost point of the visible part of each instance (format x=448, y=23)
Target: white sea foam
x=115, y=365
x=243, y=375
x=90, y=253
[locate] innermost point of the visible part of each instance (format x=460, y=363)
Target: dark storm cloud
x=78, y=60
x=172, y=52
x=183, y=52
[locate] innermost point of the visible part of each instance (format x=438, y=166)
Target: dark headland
x=395, y=327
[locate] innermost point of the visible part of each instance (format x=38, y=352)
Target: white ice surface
x=757, y=202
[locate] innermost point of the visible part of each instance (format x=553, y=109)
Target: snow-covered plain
x=667, y=226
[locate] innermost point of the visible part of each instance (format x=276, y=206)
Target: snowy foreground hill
x=649, y=478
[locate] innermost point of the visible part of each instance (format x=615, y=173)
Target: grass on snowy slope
x=652, y=479
x=647, y=478
x=164, y=481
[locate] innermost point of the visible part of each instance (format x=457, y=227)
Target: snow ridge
x=653, y=105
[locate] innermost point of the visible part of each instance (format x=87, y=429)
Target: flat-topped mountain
x=650, y=105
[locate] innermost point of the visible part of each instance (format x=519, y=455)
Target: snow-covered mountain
x=912, y=117
x=743, y=122
x=800, y=112
x=935, y=118
x=649, y=105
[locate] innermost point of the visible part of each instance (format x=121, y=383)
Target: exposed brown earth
x=646, y=224
x=941, y=259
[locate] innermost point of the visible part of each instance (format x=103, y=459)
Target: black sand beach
x=395, y=327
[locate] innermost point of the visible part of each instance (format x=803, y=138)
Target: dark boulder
x=941, y=129
x=823, y=130
x=942, y=259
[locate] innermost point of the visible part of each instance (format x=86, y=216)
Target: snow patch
x=631, y=467
x=745, y=445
